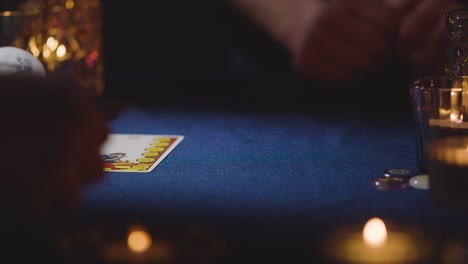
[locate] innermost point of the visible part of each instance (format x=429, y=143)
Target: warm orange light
x=61, y=51
x=139, y=241
x=375, y=232
x=33, y=47
x=46, y=53
x=70, y=4
x=52, y=43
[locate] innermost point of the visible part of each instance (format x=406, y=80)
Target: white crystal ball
x=14, y=60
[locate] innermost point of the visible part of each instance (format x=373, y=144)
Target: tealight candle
x=139, y=248
x=376, y=244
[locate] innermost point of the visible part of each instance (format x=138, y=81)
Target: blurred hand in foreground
x=347, y=40
x=335, y=41
x=51, y=137
x=422, y=34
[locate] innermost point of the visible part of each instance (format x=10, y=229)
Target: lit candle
x=456, y=113
x=376, y=244
x=139, y=248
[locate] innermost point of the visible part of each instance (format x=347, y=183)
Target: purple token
x=385, y=183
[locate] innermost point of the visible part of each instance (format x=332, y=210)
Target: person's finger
x=347, y=56
x=369, y=40
x=430, y=59
x=90, y=132
x=92, y=169
x=417, y=27
x=403, y=6
x=313, y=64
x=335, y=49
x=356, y=32
x=375, y=12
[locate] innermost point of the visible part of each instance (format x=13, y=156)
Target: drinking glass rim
x=427, y=82
x=457, y=10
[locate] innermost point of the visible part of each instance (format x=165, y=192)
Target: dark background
x=196, y=38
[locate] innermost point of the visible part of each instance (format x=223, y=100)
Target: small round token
x=385, y=183
x=420, y=182
x=399, y=172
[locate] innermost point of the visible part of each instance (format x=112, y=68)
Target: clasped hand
x=352, y=38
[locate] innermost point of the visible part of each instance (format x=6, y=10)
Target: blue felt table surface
x=291, y=165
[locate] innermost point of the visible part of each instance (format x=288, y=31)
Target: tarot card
x=136, y=152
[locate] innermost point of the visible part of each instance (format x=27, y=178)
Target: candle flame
x=46, y=53
x=33, y=47
x=52, y=43
x=61, y=51
x=139, y=241
x=375, y=232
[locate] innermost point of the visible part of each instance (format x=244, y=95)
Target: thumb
x=402, y=6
